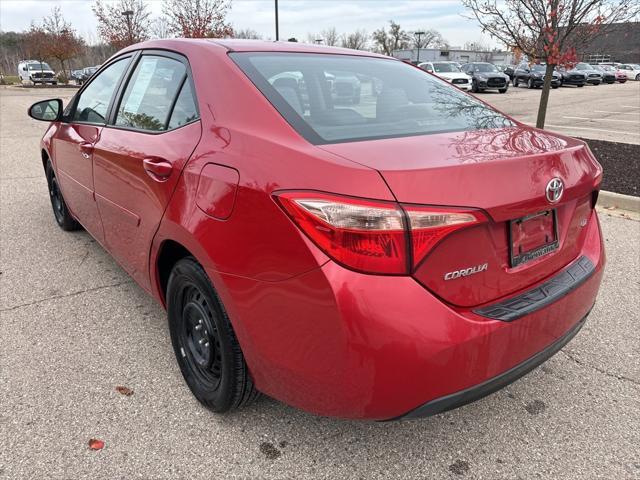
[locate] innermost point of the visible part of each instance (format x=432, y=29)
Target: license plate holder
x=533, y=236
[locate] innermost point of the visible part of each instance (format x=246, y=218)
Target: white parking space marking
x=629, y=106
x=617, y=113
x=603, y=119
x=587, y=128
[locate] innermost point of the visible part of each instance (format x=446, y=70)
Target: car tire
x=530, y=83
x=502, y=90
x=206, y=347
x=554, y=86
x=515, y=82
x=474, y=86
x=638, y=77
x=60, y=211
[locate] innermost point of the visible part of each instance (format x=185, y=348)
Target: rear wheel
x=638, y=77
x=204, y=342
x=60, y=211
x=581, y=85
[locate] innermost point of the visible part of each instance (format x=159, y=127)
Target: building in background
x=621, y=44
x=454, y=54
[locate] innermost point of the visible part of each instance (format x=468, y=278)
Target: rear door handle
x=157, y=168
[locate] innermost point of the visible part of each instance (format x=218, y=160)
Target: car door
x=153, y=129
x=74, y=141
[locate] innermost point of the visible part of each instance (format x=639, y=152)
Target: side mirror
x=46, y=110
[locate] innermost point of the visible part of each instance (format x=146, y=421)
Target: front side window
x=94, y=100
x=341, y=98
x=148, y=99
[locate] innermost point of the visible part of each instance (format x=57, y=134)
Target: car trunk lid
x=503, y=172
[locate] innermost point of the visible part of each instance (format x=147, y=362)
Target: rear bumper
x=344, y=344
x=463, y=397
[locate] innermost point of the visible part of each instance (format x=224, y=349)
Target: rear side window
x=149, y=97
x=94, y=100
x=185, y=110
x=342, y=98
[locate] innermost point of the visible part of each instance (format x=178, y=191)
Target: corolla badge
x=464, y=272
x=555, y=189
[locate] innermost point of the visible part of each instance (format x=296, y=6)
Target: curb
x=618, y=200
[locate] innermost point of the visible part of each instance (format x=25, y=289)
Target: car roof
x=241, y=45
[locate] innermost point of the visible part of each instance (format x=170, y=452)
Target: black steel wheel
x=60, y=211
x=204, y=342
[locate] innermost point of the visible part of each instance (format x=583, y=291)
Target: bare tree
x=394, y=39
x=122, y=23
x=427, y=38
x=198, y=18
x=247, y=33
x=357, y=40
x=476, y=46
x=330, y=36
x=549, y=31
x=63, y=43
x=160, y=28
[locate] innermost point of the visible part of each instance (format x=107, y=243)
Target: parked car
x=594, y=77
x=571, y=76
x=35, y=72
x=448, y=71
x=608, y=76
x=77, y=76
x=485, y=76
x=533, y=76
x=509, y=71
x=632, y=70
x=88, y=72
x=620, y=75
x=396, y=258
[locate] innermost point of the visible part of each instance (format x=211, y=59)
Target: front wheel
x=530, y=83
x=502, y=90
x=60, y=211
x=515, y=82
x=204, y=342
x=474, y=87
x=580, y=86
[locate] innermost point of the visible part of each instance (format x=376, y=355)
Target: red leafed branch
x=122, y=23
x=198, y=18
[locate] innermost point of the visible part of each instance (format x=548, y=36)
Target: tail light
x=373, y=236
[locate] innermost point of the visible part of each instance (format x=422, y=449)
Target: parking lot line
x=590, y=129
x=629, y=106
x=617, y=113
x=603, y=119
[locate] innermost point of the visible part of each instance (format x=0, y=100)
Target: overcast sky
x=297, y=17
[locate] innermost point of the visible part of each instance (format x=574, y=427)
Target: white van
x=36, y=72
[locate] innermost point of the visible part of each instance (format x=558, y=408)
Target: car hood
x=451, y=75
x=493, y=169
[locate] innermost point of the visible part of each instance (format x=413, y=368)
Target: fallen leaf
x=124, y=390
x=95, y=444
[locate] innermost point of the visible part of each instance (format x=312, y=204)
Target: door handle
x=157, y=168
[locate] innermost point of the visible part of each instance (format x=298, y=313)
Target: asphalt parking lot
x=73, y=326
x=601, y=112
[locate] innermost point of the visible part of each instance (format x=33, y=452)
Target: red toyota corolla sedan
x=337, y=229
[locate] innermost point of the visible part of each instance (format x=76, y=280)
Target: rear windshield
x=342, y=98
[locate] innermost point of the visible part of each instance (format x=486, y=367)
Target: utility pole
x=277, y=30
x=129, y=14
x=418, y=34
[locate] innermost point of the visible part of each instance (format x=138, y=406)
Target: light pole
x=129, y=14
x=418, y=34
x=277, y=30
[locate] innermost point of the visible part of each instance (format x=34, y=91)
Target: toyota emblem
x=555, y=189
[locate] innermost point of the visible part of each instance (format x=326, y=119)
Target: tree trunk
x=544, y=97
